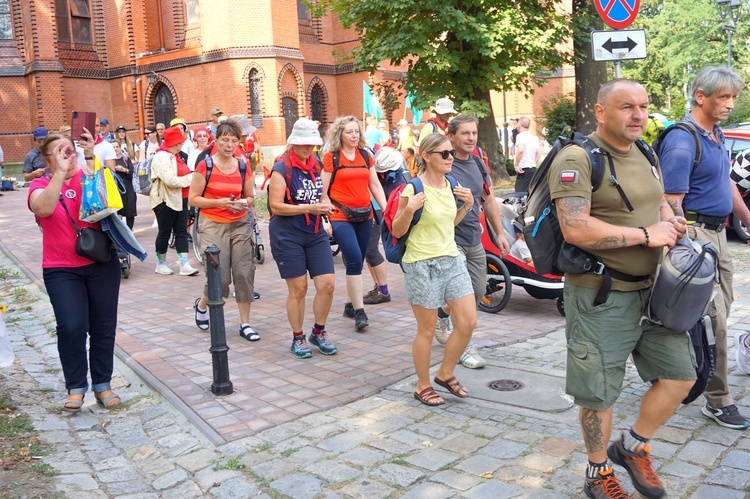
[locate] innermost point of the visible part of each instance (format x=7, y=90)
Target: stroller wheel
x=260, y=254
x=126, y=273
x=499, y=286
x=561, y=306
x=334, y=246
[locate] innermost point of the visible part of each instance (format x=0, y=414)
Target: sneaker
x=370, y=294
x=639, y=466
x=348, y=310
x=256, y=295
x=323, y=343
x=163, y=269
x=605, y=487
x=728, y=416
x=360, y=319
x=471, y=358
x=300, y=348
x=187, y=270
x=375, y=296
x=443, y=329
x=742, y=352
x=201, y=323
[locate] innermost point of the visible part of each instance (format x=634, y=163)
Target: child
x=520, y=250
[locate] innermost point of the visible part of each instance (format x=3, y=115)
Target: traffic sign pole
x=618, y=14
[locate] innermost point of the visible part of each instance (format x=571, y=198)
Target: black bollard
x=219, y=348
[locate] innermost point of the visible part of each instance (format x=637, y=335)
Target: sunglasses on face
x=445, y=154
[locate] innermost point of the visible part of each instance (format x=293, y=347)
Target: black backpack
x=704, y=346
x=538, y=218
x=687, y=127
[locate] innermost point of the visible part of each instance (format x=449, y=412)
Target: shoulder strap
x=647, y=151
x=418, y=187
x=483, y=171
x=686, y=127
x=75, y=225
x=243, y=173
x=452, y=182
x=209, y=169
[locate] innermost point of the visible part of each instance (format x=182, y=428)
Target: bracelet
x=88, y=158
x=469, y=209
x=648, y=239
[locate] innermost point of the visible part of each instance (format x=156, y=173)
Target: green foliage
x=558, y=112
x=741, y=111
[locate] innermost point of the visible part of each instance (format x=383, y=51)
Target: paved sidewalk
x=381, y=445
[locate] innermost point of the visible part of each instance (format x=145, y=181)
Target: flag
x=370, y=104
x=414, y=111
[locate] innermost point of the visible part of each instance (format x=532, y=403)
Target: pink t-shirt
x=58, y=235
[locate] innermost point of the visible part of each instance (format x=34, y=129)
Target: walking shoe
x=348, y=310
x=728, y=416
x=443, y=329
x=187, y=270
x=742, y=352
x=375, y=296
x=607, y=486
x=201, y=323
x=360, y=319
x=639, y=466
x=300, y=348
x=471, y=358
x=323, y=343
x=163, y=269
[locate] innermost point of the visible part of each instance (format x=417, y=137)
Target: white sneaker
x=163, y=268
x=443, y=329
x=742, y=352
x=471, y=358
x=187, y=270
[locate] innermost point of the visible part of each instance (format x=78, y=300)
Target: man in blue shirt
x=33, y=163
x=706, y=195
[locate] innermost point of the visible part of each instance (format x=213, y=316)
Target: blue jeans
x=352, y=239
x=85, y=302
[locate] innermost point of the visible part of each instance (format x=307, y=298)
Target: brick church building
x=140, y=62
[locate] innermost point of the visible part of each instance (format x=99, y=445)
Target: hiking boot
x=742, y=352
x=348, y=310
x=728, y=416
x=471, y=358
x=300, y=348
x=639, y=466
x=443, y=329
x=163, y=269
x=360, y=319
x=375, y=296
x=607, y=486
x=187, y=269
x=323, y=343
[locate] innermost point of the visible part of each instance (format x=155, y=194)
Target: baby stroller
x=505, y=271
x=124, y=263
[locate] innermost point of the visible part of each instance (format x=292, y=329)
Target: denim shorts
x=433, y=282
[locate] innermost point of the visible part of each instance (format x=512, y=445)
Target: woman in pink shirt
x=83, y=293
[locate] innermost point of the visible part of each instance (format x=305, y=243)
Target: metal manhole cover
x=505, y=385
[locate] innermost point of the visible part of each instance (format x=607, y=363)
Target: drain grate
x=505, y=385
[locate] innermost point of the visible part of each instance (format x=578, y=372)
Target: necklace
x=438, y=190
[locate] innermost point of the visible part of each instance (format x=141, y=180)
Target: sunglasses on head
x=445, y=154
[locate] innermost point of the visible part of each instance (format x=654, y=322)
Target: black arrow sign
x=611, y=45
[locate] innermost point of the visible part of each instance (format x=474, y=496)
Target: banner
x=370, y=104
x=414, y=111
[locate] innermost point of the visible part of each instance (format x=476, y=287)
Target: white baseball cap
x=444, y=106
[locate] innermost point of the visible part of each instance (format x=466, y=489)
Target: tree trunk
x=590, y=75
x=489, y=141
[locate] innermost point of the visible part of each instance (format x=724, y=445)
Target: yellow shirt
x=433, y=235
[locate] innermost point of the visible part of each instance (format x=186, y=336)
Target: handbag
x=91, y=243
x=100, y=195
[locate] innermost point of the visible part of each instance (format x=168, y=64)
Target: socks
x=201, y=315
x=632, y=441
x=297, y=334
x=442, y=314
x=183, y=261
x=383, y=290
x=160, y=258
x=594, y=469
x=317, y=329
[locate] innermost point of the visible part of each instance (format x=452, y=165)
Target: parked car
x=737, y=140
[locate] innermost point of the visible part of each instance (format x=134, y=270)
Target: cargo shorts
x=600, y=339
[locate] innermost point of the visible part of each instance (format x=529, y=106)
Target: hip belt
x=705, y=221
x=608, y=274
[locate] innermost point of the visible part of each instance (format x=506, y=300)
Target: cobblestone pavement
x=384, y=445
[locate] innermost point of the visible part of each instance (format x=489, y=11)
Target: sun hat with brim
x=244, y=123
x=178, y=121
x=444, y=106
x=304, y=133
x=388, y=159
x=173, y=136
x=402, y=122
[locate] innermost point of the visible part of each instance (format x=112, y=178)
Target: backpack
x=704, y=345
x=687, y=127
x=653, y=129
x=538, y=218
x=393, y=247
x=336, y=158
x=284, y=158
x=210, y=168
x=7, y=185
x=142, y=176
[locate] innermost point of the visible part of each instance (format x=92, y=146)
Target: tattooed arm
x=675, y=202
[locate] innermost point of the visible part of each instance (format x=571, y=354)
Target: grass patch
x=22, y=295
x=231, y=464
x=6, y=404
x=289, y=452
x=13, y=425
x=399, y=461
x=7, y=274
x=43, y=469
x=262, y=447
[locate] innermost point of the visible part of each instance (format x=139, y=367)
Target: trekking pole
x=221, y=385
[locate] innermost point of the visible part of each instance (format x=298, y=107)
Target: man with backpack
x=469, y=171
x=696, y=169
x=627, y=238
x=439, y=124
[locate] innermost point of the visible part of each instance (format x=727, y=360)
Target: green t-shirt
x=433, y=235
x=570, y=176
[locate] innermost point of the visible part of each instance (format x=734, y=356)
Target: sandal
x=429, y=396
x=73, y=404
x=453, y=386
x=106, y=400
x=202, y=324
x=249, y=333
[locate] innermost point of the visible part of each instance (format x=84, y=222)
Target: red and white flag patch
x=569, y=176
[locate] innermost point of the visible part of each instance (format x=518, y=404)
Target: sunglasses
x=444, y=154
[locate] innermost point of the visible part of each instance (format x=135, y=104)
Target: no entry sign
x=618, y=14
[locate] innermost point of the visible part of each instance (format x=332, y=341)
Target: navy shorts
x=297, y=252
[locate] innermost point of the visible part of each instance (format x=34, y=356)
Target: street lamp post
x=729, y=10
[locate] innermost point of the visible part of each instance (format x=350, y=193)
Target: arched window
x=316, y=104
x=290, y=110
x=163, y=105
x=302, y=11
x=6, y=24
x=73, y=21
x=256, y=110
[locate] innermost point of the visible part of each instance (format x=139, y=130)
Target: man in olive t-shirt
x=601, y=337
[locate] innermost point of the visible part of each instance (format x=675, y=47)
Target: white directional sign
x=618, y=45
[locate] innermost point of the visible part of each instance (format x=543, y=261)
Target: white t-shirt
x=104, y=151
x=2, y=156
x=530, y=145
x=520, y=250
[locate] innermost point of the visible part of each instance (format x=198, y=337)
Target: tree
x=590, y=75
x=558, y=113
x=459, y=48
x=388, y=94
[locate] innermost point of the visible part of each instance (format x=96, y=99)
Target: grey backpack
x=684, y=284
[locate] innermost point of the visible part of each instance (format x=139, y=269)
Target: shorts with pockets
x=298, y=252
x=433, y=282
